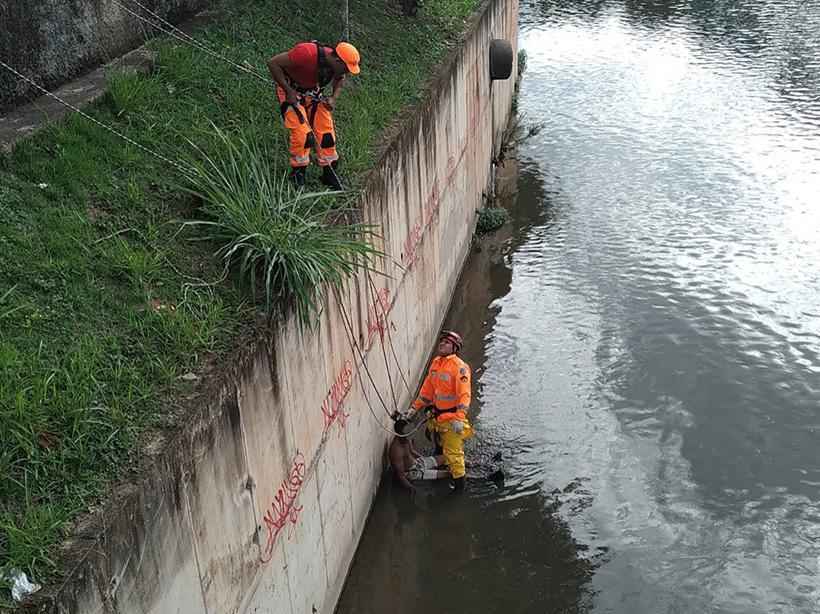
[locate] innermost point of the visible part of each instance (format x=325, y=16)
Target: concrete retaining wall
x=52, y=41
x=258, y=505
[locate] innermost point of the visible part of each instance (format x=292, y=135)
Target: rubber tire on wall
x=501, y=59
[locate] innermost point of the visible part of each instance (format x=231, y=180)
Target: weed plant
x=105, y=301
x=293, y=244
x=490, y=219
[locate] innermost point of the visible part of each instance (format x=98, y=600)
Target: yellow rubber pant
x=452, y=445
x=310, y=125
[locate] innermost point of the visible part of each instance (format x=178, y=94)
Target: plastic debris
x=21, y=587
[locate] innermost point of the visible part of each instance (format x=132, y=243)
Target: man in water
x=408, y=464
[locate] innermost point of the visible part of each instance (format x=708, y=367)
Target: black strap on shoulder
x=324, y=71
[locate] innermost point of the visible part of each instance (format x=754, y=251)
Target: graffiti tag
x=377, y=318
x=410, y=248
x=284, y=510
x=333, y=406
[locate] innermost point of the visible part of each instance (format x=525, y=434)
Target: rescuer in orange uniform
x=447, y=389
x=301, y=75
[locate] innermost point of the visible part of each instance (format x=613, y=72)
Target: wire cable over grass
x=290, y=244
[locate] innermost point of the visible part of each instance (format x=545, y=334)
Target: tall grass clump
x=289, y=244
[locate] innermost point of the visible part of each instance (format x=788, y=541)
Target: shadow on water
x=445, y=554
x=498, y=547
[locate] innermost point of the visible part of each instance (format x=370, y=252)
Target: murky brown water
x=645, y=334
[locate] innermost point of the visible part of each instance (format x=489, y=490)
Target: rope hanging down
x=350, y=336
x=385, y=324
x=389, y=336
x=170, y=29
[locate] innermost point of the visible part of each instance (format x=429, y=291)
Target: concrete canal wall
x=258, y=504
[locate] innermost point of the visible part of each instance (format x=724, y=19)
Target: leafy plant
x=288, y=242
x=522, y=62
x=490, y=219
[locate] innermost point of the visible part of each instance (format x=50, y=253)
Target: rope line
x=357, y=350
x=171, y=30
x=389, y=337
x=385, y=324
x=348, y=322
x=82, y=113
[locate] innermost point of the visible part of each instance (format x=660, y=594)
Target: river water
x=645, y=333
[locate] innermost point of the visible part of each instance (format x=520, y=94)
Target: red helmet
x=453, y=337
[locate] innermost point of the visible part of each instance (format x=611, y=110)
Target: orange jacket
x=447, y=386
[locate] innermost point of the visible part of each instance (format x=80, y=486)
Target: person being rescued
x=408, y=464
x=446, y=391
x=301, y=76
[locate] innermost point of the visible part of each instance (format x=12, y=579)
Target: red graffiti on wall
x=411, y=243
x=333, y=406
x=284, y=510
x=377, y=318
x=433, y=203
x=410, y=248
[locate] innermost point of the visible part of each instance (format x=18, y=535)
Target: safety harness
x=324, y=75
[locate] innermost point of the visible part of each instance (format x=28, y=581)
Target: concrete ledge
x=28, y=119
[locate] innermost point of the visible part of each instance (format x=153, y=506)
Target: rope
x=355, y=346
x=390, y=338
x=171, y=30
x=385, y=324
x=131, y=141
x=357, y=350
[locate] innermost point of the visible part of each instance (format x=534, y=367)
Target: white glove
x=457, y=426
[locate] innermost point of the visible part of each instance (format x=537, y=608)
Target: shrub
x=289, y=243
x=490, y=219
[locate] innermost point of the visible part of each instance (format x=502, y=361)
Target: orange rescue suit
x=447, y=386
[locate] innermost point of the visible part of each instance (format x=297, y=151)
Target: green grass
x=106, y=299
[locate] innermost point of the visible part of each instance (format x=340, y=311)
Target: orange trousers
x=310, y=125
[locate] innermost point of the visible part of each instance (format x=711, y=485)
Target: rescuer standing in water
x=446, y=390
x=301, y=75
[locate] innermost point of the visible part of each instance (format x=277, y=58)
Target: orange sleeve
x=426, y=393
x=463, y=390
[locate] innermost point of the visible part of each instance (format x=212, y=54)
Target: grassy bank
x=107, y=305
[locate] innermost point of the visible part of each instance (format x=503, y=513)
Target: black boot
x=297, y=176
x=330, y=178
x=457, y=484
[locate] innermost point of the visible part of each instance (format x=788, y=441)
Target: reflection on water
x=645, y=334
